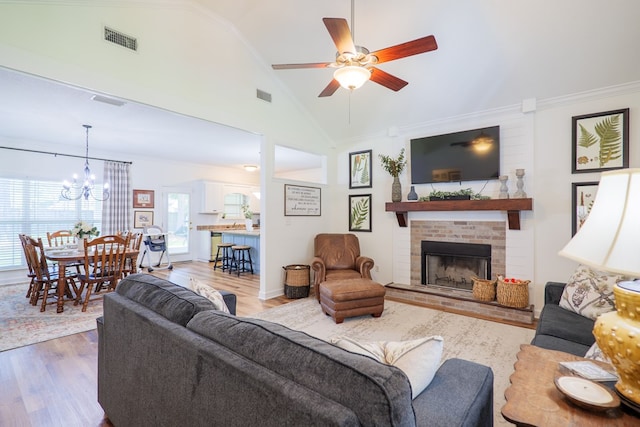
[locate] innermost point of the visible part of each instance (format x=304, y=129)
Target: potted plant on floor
x=394, y=166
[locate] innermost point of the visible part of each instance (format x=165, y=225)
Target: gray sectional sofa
x=167, y=357
x=561, y=329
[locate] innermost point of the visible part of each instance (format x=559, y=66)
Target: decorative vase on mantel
x=412, y=194
x=396, y=190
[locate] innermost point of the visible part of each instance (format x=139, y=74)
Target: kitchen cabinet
x=211, y=197
x=254, y=201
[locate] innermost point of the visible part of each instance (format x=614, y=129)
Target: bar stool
x=240, y=257
x=223, y=255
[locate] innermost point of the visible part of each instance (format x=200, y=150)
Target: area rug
x=489, y=343
x=23, y=324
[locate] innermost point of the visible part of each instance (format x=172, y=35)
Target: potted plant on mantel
x=395, y=168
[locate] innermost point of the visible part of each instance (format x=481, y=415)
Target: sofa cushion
x=590, y=292
x=378, y=394
x=560, y=344
x=174, y=302
x=557, y=322
x=418, y=359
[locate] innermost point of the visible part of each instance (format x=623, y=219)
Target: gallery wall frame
x=143, y=199
x=142, y=219
x=301, y=200
x=360, y=169
x=600, y=141
x=360, y=212
x=583, y=194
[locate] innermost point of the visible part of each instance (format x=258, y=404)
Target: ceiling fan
x=355, y=64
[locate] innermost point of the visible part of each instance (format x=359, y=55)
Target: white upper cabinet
x=212, y=197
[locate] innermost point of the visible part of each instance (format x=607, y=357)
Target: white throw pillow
x=210, y=293
x=590, y=292
x=418, y=359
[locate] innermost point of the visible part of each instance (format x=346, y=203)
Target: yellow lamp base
x=618, y=336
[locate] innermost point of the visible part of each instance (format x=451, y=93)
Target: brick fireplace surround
x=484, y=232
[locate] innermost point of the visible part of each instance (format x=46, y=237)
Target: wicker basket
x=514, y=295
x=483, y=289
x=297, y=281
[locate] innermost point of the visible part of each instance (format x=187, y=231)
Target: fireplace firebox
x=453, y=265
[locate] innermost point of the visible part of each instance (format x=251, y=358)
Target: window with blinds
x=33, y=208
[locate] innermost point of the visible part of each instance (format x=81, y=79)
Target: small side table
x=533, y=399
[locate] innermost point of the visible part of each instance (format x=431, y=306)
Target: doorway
x=178, y=224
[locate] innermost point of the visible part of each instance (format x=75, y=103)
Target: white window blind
x=33, y=208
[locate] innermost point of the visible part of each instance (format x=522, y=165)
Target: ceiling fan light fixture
x=352, y=76
x=250, y=168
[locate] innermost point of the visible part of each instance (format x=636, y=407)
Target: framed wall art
x=360, y=212
x=583, y=194
x=142, y=219
x=600, y=141
x=302, y=201
x=143, y=199
x=360, y=169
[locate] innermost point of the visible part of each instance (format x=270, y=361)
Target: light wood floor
x=54, y=383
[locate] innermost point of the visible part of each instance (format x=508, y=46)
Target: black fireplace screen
x=453, y=265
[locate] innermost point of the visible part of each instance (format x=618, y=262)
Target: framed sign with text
x=301, y=201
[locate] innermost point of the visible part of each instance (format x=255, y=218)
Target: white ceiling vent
x=265, y=96
x=123, y=40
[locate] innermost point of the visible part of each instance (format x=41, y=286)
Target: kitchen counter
x=255, y=232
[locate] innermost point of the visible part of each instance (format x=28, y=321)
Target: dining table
x=64, y=258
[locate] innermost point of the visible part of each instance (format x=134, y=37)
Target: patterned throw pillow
x=594, y=353
x=590, y=292
x=210, y=293
x=418, y=359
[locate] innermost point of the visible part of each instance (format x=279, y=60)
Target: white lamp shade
x=609, y=239
x=352, y=77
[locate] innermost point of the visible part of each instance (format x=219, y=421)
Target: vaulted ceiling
x=491, y=53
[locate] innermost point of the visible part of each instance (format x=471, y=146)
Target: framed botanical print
x=143, y=199
x=142, y=219
x=360, y=212
x=360, y=169
x=600, y=141
x=583, y=194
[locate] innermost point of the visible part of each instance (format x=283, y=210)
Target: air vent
x=265, y=96
x=107, y=100
x=123, y=40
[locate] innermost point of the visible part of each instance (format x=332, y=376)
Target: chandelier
x=86, y=188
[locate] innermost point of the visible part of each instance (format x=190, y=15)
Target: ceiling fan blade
x=331, y=88
x=340, y=33
x=421, y=45
x=308, y=65
x=387, y=80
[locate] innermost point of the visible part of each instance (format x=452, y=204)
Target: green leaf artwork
x=359, y=213
x=608, y=137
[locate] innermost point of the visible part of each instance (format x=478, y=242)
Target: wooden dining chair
x=30, y=273
x=103, y=264
x=60, y=238
x=130, y=262
x=45, y=280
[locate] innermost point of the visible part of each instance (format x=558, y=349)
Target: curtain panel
x=116, y=211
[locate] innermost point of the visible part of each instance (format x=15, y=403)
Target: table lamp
x=609, y=240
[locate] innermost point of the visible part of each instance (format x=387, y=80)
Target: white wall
x=538, y=141
x=552, y=203
x=182, y=65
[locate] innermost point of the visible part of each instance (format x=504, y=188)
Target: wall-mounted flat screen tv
x=472, y=155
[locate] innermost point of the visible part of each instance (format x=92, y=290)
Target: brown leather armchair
x=337, y=257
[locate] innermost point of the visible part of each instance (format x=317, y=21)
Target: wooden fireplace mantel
x=511, y=206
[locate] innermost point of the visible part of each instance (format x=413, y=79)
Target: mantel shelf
x=511, y=206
